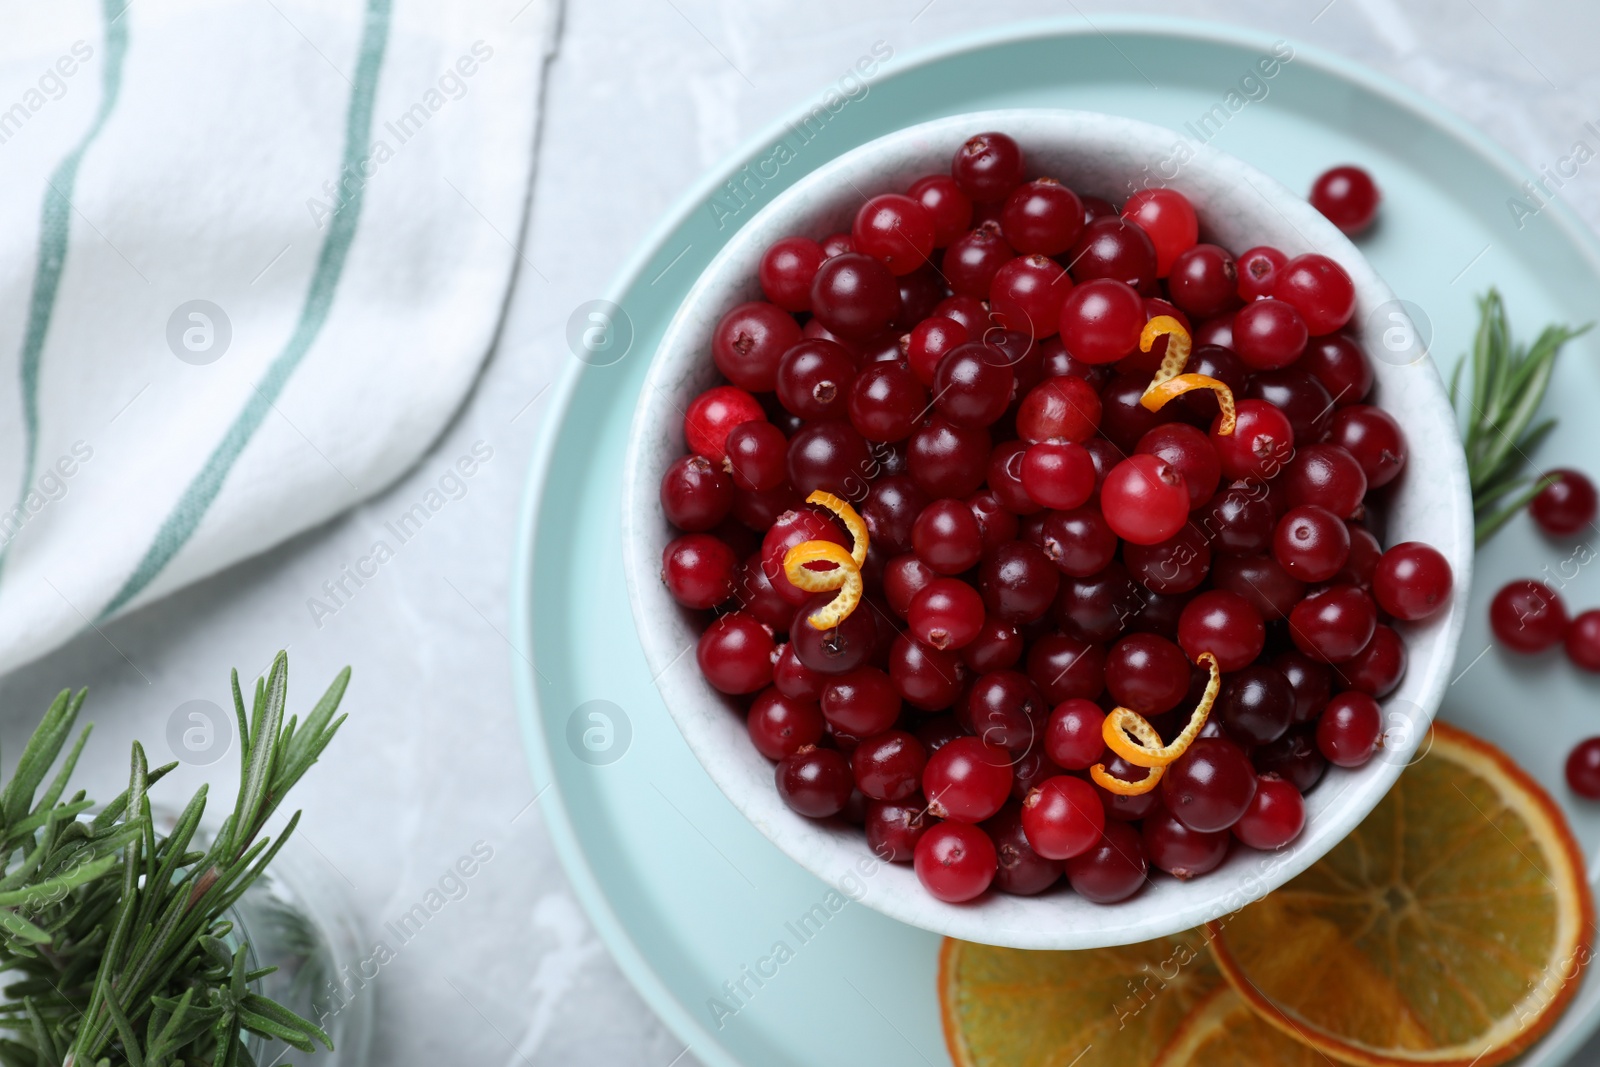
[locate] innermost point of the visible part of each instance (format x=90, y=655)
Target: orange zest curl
x=1158, y=393
x=1130, y=735
x=1178, y=346
x=844, y=575
x=1112, y=784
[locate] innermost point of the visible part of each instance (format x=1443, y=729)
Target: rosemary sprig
x=117, y=934
x=1508, y=385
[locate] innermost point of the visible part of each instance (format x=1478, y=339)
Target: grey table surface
x=643, y=96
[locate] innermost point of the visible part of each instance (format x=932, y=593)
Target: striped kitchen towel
x=252, y=254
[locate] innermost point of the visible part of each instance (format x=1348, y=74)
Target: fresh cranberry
x=699, y=570
x=1333, y=625
x=1210, y=786
x=967, y=780
x=1170, y=220
x=1145, y=499
x=1274, y=818
x=747, y=344
x=1319, y=289
x=779, y=725
x=1180, y=851
x=1583, y=769
x=814, y=782
x=955, y=862
x=1113, y=870
x=1042, y=216
x=1412, y=581
x=988, y=167
x=947, y=206
x=1350, y=730
x=1348, y=196
x=895, y=230
x=1063, y=818
x=893, y=828
x=1019, y=870
x=1528, y=616
x=788, y=267
x=1583, y=641
x=1565, y=505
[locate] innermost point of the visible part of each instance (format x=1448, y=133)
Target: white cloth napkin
x=252, y=254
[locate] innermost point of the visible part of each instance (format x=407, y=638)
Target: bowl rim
x=840, y=857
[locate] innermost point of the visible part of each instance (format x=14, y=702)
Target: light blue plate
x=691, y=899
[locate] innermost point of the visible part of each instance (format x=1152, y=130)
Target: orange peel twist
x=1170, y=381
x=1130, y=735
x=844, y=575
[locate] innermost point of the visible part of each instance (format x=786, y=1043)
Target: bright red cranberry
x=1295, y=757
x=1583, y=769
x=1073, y=738
x=1170, y=220
x=813, y=380
x=1319, y=289
x=1145, y=499
x=1042, y=217
x=1065, y=408
x=895, y=230
x=928, y=679
x=904, y=577
x=747, y=344
x=1180, y=851
x=862, y=703
x=948, y=460
x=1026, y=295
x=1063, y=817
x=1258, y=271
x=1339, y=364
x=830, y=456
x=1190, y=453
x=1378, y=668
x=1261, y=444
x=987, y=167
x=1333, y=625
x=1347, y=196
x=814, y=782
x=757, y=456
x=929, y=341
x=1147, y=673
x=1412, y=581
x=1372, y=436
x=854, y=295
x=1312, y=543
x=1583, y=641
x=889, y=765
x=894, y=827
x=787, y=269
x=1210, y=786
x=836, y=651
x=946, y=537
x=955, y=862
x=780, y=726
x=1275, y=817
x=1327, y=476
x=1528, y=616
x=1018, y=583
x=997, y=524
x=1204, y=281
x=946, y=614
x=699, y=570
x=695, y=495
x=1566, y=505
x=1262, y=581
x=1350, y=730
x=1269, y=334
x=1058, y=474
x=1101, y=320
x=1005, y=478
x=837, y=244
x=948, y=207
x=1177, y=565
x=1113, y=870
x=712, y=416
x=735, y=654
x=1021, y=871
x=1362, y=562
x=1115, y=248
x=967, y=780
x=1224, y=624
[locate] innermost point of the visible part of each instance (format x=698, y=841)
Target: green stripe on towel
x=191, y=507
x=54, y=227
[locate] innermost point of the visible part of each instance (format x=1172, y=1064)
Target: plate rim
x=627, y=954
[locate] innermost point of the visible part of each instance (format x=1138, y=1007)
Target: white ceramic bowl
x=1239, y=207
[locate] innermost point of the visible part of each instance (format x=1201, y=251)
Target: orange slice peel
x=1159, y=392
x=1130, y=735
x=1179, y=345
x=844, y=575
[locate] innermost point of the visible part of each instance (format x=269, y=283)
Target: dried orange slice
x=1222, y=1031
x=1449, y=928
x=1003, y=1007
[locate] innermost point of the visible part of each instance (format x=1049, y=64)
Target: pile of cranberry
x=964, y=367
